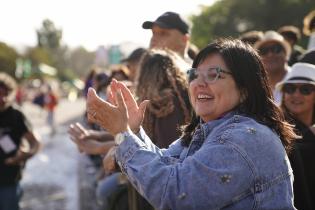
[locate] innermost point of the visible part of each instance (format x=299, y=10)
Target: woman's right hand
x=84, y=141
x=136, y=113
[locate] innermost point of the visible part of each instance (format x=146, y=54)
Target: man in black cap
x=169, y=31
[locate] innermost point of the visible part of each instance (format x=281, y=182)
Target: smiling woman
x=298, y=102
x=233, y=144
x=215, y=93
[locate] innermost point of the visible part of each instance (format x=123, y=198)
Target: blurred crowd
x=157, y=77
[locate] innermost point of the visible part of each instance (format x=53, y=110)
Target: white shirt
x=311, y=42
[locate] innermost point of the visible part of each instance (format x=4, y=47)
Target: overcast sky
x=89, y=23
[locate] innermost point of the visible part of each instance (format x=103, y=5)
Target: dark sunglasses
x=303, y=89
x=275, y=49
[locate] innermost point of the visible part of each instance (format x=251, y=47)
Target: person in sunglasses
x=275, y=53
x=298, y=102
x=231, y=155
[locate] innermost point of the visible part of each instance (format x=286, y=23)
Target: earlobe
x=243, y=96
x=186, y=38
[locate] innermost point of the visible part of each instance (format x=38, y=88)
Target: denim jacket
x=231, y=163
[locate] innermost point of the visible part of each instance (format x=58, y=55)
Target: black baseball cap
x=169, y=20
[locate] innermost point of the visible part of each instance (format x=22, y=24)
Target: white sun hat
x=300, y=73
x=273, y=36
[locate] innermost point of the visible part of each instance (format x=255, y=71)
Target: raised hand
x=77, y=131
x=135, y=112
x=111, y=117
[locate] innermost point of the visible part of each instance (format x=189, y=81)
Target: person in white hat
x=275, y=53
x=298, y=102
x=298, y=89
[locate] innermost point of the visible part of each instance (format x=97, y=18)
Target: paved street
x=50, y=179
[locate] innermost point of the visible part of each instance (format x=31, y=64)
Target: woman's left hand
x=135, y=112
x=112, y=118
x=109, y=162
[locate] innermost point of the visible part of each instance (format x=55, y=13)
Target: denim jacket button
x=257, y=188
x=251, y=130
x=181, y=196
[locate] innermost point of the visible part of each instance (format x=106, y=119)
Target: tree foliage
x=38, y=55
x=48, y=36
x=230, y=18
x=80, y=60
x=8, y=56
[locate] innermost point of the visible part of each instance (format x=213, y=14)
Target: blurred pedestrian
x=309, y=29
x=308, y=57
x=251, y=37
x=100, y=83
x=298, y=102
x=89, y=80
x=15, y=131
x=51, y=102
x=292, y=35
x=19, y=96
x=119, y=72
x=275, y=52
x=132, y=62
x=229, y=157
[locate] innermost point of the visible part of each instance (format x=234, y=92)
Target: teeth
x=297, y=103
x=202, y=96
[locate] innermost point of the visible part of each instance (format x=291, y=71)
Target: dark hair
x=119, y=69
x=93, y=71
x=290, y=32
x=251, y=37
x=251, y=79
x=192, y=51
x=102, y=79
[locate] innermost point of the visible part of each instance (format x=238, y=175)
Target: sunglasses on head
x=275, y=49
x=210, y=76
x=305, y=90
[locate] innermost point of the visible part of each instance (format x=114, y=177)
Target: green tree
x=230, y=18
x=8, y=57
x=48, y=36
x=38, y=55
x=49, y=41
x=81, y=60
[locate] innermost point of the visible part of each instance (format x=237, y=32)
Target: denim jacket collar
x=207, y=127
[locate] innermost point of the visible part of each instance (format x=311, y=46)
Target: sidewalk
x=56, y=176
